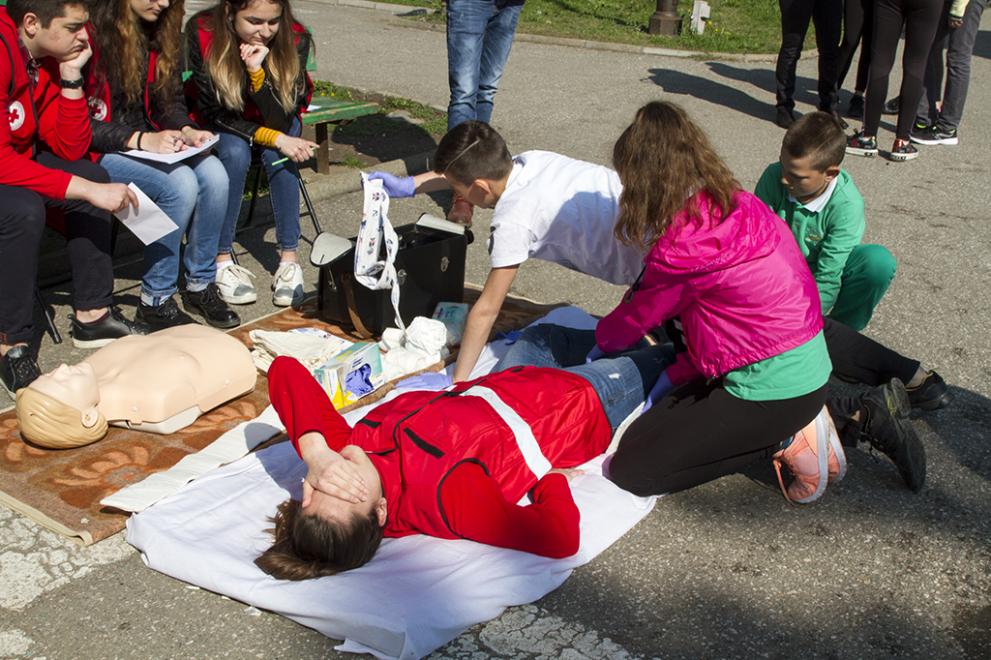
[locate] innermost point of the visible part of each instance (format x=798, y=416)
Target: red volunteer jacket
x=30, y=112
x=454, y=464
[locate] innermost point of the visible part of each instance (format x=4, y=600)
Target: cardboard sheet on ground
x=418, y=592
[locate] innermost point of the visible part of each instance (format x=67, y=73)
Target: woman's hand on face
x=253, y=55
x=193, y=137
x=331, y=473
x=163, y=142
x=295, y=149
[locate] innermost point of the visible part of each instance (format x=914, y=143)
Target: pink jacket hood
x=739, y=283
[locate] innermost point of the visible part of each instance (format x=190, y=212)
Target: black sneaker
x=211, y=307
x=903, y=151
x=856, y=108
x=931, y=394
x=113, y=325
x=934, y=135
x=785, y=117
x=166, y=315
x=18, y=369
x=860, y=145
x=892, y=106
x=887, y=428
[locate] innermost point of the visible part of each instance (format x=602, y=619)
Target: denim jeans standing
x=959, y=46
x=479, y=36
x=193, y=193
x=621, y=381
x=283, y=182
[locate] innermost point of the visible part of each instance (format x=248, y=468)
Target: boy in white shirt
x=547, y=206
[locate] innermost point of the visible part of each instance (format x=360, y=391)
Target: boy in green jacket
x=825, y=211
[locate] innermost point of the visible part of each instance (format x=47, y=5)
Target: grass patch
x=736, y=26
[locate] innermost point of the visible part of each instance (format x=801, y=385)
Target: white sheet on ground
x=418, y=592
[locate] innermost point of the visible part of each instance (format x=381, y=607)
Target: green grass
x=434, y=121
x=736, y=26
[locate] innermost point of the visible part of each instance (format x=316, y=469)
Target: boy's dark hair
x=46, y=10
x=817, y=134
x=473, y=150
x=308, y=546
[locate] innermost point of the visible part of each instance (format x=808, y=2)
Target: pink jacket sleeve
x=642, y=309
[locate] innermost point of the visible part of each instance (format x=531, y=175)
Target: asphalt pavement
x=728, y=569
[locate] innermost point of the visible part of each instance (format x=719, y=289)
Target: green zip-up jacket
x=827, y=236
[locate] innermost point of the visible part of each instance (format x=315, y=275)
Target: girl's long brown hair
x=663, y=159
x=120, y=35
x=224, y=65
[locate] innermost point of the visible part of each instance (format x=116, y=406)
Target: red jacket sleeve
x=476, y=510
x=63, y=123
x=17, y=169
x=303, y=406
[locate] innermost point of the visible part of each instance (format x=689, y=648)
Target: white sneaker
x=234, y=283
x=287, y=285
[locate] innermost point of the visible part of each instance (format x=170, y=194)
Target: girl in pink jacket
x=755, y=364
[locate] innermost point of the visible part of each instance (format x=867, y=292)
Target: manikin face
x=802, y=179
x=64, y=38
x=75, y=386
x=148, y=10
x=258, y=22
x=333, y=508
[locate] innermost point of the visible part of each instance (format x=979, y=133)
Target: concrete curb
x=409, y=10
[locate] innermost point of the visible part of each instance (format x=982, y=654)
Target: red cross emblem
x=16, y=116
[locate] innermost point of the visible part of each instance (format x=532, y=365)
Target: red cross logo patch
x=15, y=114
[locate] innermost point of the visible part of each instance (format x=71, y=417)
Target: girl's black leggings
x=858, y=27
x=919, y=18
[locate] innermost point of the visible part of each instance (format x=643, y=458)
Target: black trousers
x=919, y=18
x=827, y=17
x=858, y=27
x=22, y=221
x=860, y=359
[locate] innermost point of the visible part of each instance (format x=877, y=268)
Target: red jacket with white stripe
x=454, y=464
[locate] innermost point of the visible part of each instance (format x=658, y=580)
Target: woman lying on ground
x=451, y=464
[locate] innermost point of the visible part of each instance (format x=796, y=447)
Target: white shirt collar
x=816, y=204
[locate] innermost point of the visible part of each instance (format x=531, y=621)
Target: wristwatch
x=72, y=84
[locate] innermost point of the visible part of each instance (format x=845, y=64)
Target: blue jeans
x=621, y=381
x=283, y=182
x=193, y=193
x=479, y=36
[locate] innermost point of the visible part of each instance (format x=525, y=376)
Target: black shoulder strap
x=10, y=56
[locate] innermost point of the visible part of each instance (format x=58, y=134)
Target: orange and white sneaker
x=461, y=211
x=814, y=458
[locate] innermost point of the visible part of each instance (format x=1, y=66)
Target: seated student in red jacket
x=451, y=464
x=44, y=136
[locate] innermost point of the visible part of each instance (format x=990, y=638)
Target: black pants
x=827, y=17
x=919, y=18
x=860, y=359
x=858, y=28
x=22, y=222
x=701, y=432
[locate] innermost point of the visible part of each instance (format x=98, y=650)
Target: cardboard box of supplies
x=351, y=374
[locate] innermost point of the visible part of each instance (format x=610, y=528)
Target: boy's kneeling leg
x=866, y=277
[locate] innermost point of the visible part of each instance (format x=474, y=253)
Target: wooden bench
x=325, y=111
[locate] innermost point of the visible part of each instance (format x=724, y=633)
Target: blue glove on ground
x=428, y=380
x=594, y=354
x=395, y=186
x=657, y=392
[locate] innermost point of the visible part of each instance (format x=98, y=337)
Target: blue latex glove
x=428, y=380
x=395, y=186
x=594, y=354
x=511, y=337
x=657, y=392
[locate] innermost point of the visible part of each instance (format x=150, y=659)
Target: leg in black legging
x=921, y=20
x=827, y=17
x=888, y=21
x=853, y=30
x=795, y=18
x=860, y=359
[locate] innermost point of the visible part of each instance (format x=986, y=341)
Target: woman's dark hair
x=663, y=159
x=308, y=546
x=473, y=150
x=120, y=36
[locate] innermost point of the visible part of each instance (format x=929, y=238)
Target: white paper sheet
x=174, y=157
x=149, y=223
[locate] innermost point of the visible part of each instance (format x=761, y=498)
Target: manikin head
x=811, y=154
x=51, y=28
x=475, y=160
x=59, y=409
x=325, y=534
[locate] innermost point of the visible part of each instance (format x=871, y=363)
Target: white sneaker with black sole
x=934, y=135
x=234, y=284
x=287, y=285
